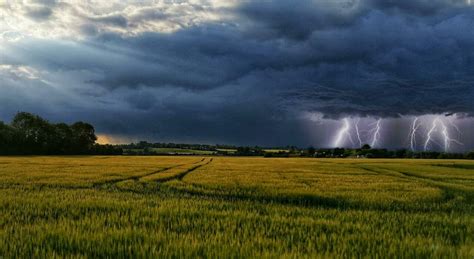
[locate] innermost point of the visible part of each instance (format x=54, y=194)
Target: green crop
x=235, y=207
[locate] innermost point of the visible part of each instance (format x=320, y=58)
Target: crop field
x=224, y=207
x=174, y=151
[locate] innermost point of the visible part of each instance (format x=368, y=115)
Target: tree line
x=29, y=134
x=367, y=152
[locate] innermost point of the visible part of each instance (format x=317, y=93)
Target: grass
x=235, y=207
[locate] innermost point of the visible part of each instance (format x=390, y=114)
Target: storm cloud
x=243, y=72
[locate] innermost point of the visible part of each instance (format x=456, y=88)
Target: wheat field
x=189, y=206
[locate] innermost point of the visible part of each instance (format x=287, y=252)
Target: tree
x=31, y=134
x=35, y=133
x=8, y=136
x=366, y=147
x=83, y=137
x=338, y=152
x=470, y=155
x=62, y=142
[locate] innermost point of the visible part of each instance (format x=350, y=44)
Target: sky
x=271, y=73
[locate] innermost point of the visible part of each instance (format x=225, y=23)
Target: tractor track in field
x=450, y=190
x=181, y=175
x=138, y=177
x=135, y=177
x=108, y=184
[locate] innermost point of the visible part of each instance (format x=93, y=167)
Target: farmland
x=190, y=206
x=171, y=151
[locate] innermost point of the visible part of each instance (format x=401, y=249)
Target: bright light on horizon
x=113, y=139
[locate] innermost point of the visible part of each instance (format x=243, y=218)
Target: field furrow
x=176, y=173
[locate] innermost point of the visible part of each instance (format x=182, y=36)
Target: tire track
x=181, y=175
x=138, y=177
x=450, y=190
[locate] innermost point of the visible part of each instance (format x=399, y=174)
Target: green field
x=235, y=207
x=174, y=151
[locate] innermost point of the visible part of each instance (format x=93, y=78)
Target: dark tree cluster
x=367, y=152
x=249, y=151
x=29, y=134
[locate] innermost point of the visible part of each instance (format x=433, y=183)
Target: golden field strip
x=235, y=207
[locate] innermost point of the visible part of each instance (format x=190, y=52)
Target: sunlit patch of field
x=228, y=207
x=79, y=171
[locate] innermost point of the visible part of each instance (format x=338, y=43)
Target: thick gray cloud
x=247, y=76
x=378, y=58
x=39, y=13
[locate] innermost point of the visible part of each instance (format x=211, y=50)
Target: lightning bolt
x=438, y=132
x=430, y=133
x=358, y=132
x=447, y=138
x=343, y=132
x=450, y=120
x=376, y=131
x=414, y=128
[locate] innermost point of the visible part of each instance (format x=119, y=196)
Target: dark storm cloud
x=299, y=19
x=417, y=7
x=39, y=13
x=378, y=58
x=253, y=74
